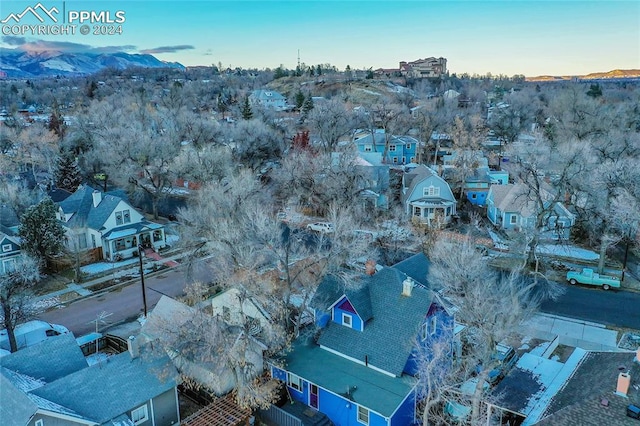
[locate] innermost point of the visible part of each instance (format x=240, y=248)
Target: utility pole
x=144, y=293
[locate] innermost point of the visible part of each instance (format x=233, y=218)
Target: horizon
x=476, y=37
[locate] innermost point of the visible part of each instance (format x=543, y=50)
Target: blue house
x=360, y=369
x=512, y=207
x=402, y=149
x=476, y=186
x=9, y=251
x=426, y=197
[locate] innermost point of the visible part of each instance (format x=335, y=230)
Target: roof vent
x=407, y=287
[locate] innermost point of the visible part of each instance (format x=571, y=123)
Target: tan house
x=424, y=68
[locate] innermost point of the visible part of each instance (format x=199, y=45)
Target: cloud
x=36, y=45
x=168, y=49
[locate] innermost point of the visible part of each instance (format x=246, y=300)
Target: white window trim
x=392, y=148
x=39, y=422
x=145, y=414
x=348, y=323
x=294, y=382
x=433, y=326
x=513, y=219
x=6, y=248
x=368, y=414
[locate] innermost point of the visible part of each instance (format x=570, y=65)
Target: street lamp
x=144, y=293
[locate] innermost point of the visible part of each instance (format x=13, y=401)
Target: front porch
x=432, y=211
x=126, y=241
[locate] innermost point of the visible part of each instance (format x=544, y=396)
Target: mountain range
x=614, y=74
x=18, y=63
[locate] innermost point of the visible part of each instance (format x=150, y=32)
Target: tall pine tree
x=68, y=175
x=247, y=113
x=41, y=232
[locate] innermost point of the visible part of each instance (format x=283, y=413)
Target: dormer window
x=346, y=320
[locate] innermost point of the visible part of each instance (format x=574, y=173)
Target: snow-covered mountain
x=21, y=64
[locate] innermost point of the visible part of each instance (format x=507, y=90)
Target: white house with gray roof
x=94, y=219
x=52, y=384
x=269, y=99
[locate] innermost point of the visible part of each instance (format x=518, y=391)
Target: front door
x=313, y=396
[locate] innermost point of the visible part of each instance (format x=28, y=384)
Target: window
x=82, y=241
x=416, y=211
x=126, y=216
x=408, y=146
x=412, y=159
x=434, y=325
x=395, y=160
x=367, y=148
x=294, y=382
x=431, y=191
x=392, y=148
x=51, y=333
x=6, y=248
x=39, y=423
x=140, y=415
x=346, y=320
x=118, y=218
x=513, y=219
x=363, y=415
x=474, y=196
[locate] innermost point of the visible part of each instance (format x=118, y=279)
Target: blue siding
x=480, y=196
x=356, y=321
x=405, y=414
x=444, y=329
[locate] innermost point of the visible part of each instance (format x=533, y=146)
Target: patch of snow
x=539, y=350
x=44, y=304
x=99, y=267
x=497, y=241
x=555, y=358
x=567, y=251
x=57, y=64
x=524, y=347
x=96, y=358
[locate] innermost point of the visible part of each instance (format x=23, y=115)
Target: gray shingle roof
x=15, y=405
x=395, y=323
x=416, y=267
x=80, y=204
x=49, y=360
x=113, y=387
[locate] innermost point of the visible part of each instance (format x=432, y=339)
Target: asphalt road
x=613, y=308
x=124, y=303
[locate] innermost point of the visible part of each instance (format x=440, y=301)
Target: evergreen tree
x=595, y=91
x=307, y=105
x=247, y=113
x=56, y=124
x=319, y=70
x=41, y=233
x=299, y=100
x=68, y=175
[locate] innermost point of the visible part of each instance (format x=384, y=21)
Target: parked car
x=502, y=361
x=31, y=333
x=322, y=227
x=588, y=276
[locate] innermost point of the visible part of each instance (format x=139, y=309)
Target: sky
x=508, y=37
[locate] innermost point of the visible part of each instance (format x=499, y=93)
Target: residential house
x=237, y=308
x=177, y=326
x=9, y=250
x=269, y=99
x=427, y=197
x=93, y=219
x=52, y=384
x=512, y=207
x=589, y=388
x=476, y=186
x=376, y=174
x=424, y=68
x=360, y=368
x=402, y=149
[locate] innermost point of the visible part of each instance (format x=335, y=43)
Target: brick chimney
x=370, y=267
x=407, y=286
x=637, y=358
x=624, y=380
x=132, y=346
x=97, y=197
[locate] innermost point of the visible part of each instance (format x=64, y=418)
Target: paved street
x=613, y=308
x=124, y=303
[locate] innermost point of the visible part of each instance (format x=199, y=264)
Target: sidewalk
x=572, y=332
x=81, y=290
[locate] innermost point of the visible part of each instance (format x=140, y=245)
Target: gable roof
x=380, y=139
x=8, y=216
x=394, y=324
x=595, y=378
x=113, y=387
x=16, y=405
x=333, y=289
x=418, y=175
x=49, y=360
x=80, y=205
x=416, y=267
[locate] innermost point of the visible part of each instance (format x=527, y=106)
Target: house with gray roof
x=9, y=251
x=360, y=368
x=51, y=383
x=513, y=207
x=426, y=197
x=95, y=220
x=269, y=99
